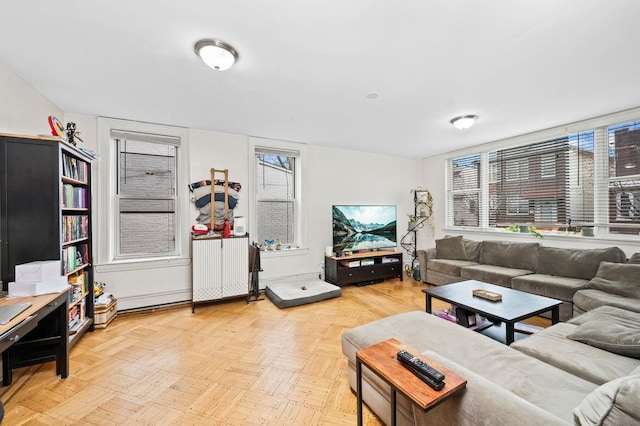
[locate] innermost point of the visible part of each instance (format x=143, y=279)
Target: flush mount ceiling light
x=216, y=54
x=464, y=121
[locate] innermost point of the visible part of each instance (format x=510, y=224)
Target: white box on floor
x=41, y=270
x=36, y=288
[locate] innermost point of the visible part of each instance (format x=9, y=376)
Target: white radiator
x=220, y=268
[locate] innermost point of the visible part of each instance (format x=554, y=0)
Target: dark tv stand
x=363, y=268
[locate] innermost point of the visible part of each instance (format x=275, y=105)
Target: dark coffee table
x=515, y=305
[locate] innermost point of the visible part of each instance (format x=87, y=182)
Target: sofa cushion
x=509, y=255
x=472, y=249
x=588, y=299
x=550, y=286
x=603, y=313
x=618, y=335
x=497, y=275
x=635, y=258
x=575, y=263
x=613, y=404
x=617, y=278
x=446, y=266
x=587, y=362
x=450, y=248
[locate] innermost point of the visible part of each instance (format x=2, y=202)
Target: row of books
x=78, y=283
x=74, y=197
x=76, y=316
x=74, y=168
x=74, y=257
x=75, y=227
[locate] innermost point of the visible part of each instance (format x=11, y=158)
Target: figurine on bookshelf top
x=72, y=133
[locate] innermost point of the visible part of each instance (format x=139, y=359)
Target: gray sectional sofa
x=585, y=371
x=545, y=379
x=547, y=271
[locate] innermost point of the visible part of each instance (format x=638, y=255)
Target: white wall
x=338, y=176
x=334, y=176
x=23, y=110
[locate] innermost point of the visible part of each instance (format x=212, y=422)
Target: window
x=145, y=195
x=517, y=169
x=623, y=166
x=493, y=172
x=464, y=191
x=547, y=184
x=589, y=178
x=277, y=195
x=517, y=206
x=548, y=165
x=546, y=211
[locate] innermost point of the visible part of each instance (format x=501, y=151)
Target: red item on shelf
x=226, y=232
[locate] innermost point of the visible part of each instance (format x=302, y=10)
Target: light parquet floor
x=231, y=363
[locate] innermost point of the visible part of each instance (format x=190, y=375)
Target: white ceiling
x=305, y=67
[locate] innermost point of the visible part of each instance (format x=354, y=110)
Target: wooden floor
x=228, y=364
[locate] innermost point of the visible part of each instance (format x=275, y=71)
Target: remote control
x=420, y=366
x=428, y=380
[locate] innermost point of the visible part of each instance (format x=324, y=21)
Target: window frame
x=119, y=197
x=599, y=126
x=106, y=227
x=289, y=200
x=300, y=205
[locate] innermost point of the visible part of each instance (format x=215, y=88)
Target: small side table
x=381, y=359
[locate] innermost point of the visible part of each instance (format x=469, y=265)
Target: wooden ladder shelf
x=213, y=195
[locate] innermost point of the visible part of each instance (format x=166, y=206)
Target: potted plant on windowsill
x=524, y=228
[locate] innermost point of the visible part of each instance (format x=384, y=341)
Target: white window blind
x=146, y=194
x=276, y=194
x=623, y=167
x=464, y=191
x=547, y=184
x=584, y=179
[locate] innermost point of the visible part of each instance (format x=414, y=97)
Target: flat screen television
x=364, y=227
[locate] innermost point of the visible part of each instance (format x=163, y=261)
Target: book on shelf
x=75, y=227
x=390, y=259
x=74, y=197
x=74, y=257
x=350, y=263
x=367, y=261
x=74, y=168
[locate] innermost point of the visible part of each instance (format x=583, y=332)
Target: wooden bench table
x=381, y=360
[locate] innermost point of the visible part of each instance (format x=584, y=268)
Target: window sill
x=284, y=253
x=609, y=239
x=133, y=264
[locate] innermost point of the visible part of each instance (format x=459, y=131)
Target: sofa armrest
x=483, y=403
x=423, y=258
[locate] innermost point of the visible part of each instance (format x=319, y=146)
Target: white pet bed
x=285, y=294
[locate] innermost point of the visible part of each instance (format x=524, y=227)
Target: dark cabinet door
x=29, y=203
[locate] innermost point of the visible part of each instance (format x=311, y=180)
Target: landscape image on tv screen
x=364, y=227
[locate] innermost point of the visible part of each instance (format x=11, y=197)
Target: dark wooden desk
x=38, y=334
x=381, y=359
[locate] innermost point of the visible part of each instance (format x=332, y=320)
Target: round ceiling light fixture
x=464, y=121
x=216, y=54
